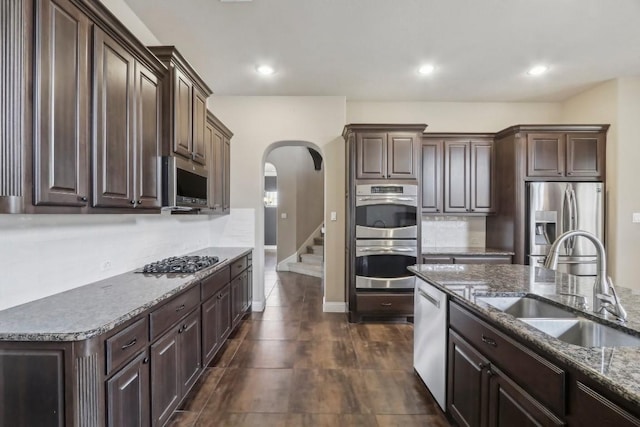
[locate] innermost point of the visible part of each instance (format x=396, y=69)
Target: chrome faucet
x=604, y=294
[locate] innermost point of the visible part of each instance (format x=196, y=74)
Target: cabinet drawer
x=238, y=266
x=171, y=312
x=126, y=343
x=385, y=303
x=215, y=282
x=542, y=379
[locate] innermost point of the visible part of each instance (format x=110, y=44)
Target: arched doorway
x=298, y=207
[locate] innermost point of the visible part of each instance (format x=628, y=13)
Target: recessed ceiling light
x=537, y=70
x=265, y=70
x=426, y=69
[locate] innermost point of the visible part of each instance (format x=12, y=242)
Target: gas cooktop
x=183, y=264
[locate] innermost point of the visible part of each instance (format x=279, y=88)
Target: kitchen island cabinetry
x=128, y=394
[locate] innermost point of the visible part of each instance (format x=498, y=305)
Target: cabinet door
x=190, y=353
x=148, y=138
x=432, y=176
x=467, y=385
x=456, y=176
x=545, y=154
x=585, y=155
x=481, y=174
x=165, y=377
x=199, y=123
x=210, y=335
x=245, y=290
x=236, y=300
x=182, y=114
x=510, y=405
x=590, y=408
x=113, y=134
x=61, y=131
x=401, y=155
x=371, y=156
x=224, y=313
x=226, y=194
x=218, y=170
x=128, y=394
x=209, y=148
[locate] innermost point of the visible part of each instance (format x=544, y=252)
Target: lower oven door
x=382, y=264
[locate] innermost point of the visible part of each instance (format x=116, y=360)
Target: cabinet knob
x=145, y=360
x=82, y=198
x=559, y=173
x=133, y=202
x=473, y=210
x=437, y=210
x=481, y=365
x=569, y=173
x=490, y=372
x=467, y=210
x=139, y=202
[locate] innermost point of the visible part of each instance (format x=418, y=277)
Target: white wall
x=45, y=254
x=261, y=123
x=130, y=20
x=617, y=102
x=454, y=116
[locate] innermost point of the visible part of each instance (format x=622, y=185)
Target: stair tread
x=307, y=269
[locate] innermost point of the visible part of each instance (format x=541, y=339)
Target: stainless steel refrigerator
x=556, y=207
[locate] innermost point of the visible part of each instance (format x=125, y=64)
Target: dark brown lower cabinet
x=236, y=299
x=128, y=394
x=510, y=405
x=467, y=392
x=593, y=409
x=175, y=364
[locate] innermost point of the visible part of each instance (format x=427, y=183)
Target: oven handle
x=385, y=249
x=388, y=199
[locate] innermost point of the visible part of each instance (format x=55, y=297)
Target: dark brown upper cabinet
x=386, y=155
x=468, y=176
x=61, y=107
x=384, y=151
x=185, y=107
x=560, y=155
x=432, y=176
x=218, y=139
x=126, y=150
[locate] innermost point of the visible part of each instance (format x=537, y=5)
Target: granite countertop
x=616, y=368
x=468, y=250
x=99, y=307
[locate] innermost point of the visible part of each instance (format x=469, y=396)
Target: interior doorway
x=293, y=211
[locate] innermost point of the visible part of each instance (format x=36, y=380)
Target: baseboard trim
x=334, y=307
x=257, y=306
x=284, y=264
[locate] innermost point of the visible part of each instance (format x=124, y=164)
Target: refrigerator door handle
x=567, y=223
x=574, y=218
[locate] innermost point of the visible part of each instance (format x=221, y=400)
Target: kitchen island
x=585, y=376
x=125, y=350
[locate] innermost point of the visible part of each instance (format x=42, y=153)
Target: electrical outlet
x=635, y=217
x=283, y=215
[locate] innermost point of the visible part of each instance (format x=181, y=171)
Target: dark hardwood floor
x=294, y=365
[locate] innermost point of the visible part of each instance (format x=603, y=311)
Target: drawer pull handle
x=180, y=308
x=130, y=344
x=489, y=341
x=385, y=304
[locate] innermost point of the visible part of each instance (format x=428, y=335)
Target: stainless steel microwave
x=186, y=184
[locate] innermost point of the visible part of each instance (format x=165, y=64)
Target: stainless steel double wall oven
x=386, y=232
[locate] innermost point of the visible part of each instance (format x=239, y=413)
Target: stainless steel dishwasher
x=430, y=339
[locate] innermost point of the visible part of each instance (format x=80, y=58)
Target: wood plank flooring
x=294, y=365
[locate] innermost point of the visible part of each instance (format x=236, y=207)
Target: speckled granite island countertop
x=616, y=368
x=469, y=250
x=99, y=307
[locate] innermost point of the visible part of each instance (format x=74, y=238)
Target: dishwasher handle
x=429, y=298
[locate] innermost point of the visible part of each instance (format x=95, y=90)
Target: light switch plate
x=334, y=216
x=283, y=215
x=635, y=217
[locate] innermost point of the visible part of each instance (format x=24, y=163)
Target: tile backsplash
x=41, y=255
x=451, y=231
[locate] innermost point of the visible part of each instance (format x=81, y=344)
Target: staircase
x=311, y=263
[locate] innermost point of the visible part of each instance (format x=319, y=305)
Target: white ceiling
x=371, y=49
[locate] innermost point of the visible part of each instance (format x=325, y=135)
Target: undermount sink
x=560, y=323
x=526, y=308
x=584, y=332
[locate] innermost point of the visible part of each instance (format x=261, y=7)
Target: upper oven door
x=386, y=212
